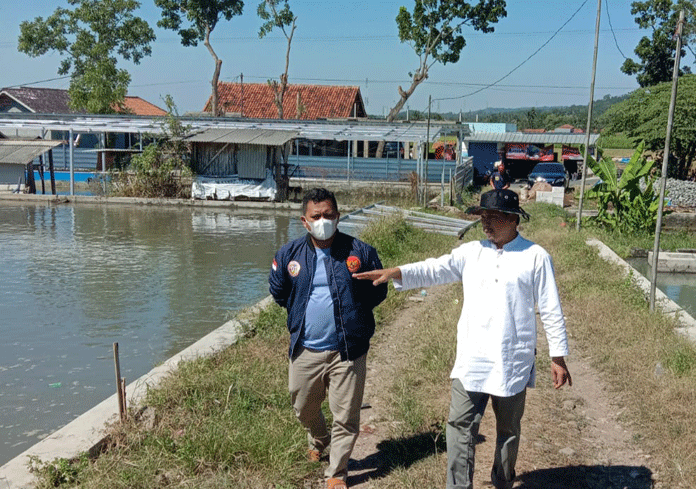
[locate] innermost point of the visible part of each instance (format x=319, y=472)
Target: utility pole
x=589, y=117
x=665, y=161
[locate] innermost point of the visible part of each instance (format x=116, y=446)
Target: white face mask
x=322, y=229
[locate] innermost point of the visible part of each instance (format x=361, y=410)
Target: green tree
x=202, y=16
x=643, y=116
x=90, y=37
x=434, y=31
x=533, y=118
x=657, y=52
x=284, y=20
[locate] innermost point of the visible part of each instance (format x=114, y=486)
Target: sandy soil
x=572, y=438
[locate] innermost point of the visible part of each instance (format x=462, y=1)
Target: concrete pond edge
x=88, y=431
x=687, y=324
x=147, y=201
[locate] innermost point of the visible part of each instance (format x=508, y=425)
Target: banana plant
x=621, y=202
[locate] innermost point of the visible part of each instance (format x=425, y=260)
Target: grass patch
x=616, y=141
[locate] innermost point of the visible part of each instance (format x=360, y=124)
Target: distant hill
x=529, y=117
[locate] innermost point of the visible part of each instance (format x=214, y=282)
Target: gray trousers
x=312, y=374
x=466, y=411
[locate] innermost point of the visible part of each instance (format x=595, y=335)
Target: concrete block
x=674, y=262
x=555, y=196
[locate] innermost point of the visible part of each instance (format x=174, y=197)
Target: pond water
x=679, y=287
x=78, y=278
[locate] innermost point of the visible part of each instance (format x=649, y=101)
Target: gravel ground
x=681, y=193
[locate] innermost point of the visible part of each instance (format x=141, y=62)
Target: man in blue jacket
x=330, y=322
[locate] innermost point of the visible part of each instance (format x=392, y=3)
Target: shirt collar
x=514, y=245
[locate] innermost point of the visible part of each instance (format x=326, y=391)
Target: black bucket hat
x=502, y=200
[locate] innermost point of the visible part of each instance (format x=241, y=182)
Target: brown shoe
x=313, y=455
x=336, y=484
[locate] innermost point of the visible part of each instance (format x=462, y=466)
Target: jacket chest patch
x=353, y=263
x=294, y=268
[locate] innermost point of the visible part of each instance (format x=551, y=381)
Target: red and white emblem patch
x=353, y=263
x=274, y=265
x=294, y=268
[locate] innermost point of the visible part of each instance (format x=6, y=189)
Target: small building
x=521, y=151
x=240, y=162
x=16, y=157
x=300, y=102
x=56, y=101
x=36, y=100
x=568, y=129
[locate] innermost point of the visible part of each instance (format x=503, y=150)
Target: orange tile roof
x=255, y=100
x=138, y=106
x=534, y=131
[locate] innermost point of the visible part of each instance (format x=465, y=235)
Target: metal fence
x=381, y=169
x=83, y=159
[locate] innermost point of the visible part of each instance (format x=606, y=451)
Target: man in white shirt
x=503, y=278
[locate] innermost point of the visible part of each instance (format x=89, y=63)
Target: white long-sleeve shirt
x=496, y=333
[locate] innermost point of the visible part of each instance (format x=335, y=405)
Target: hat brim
x=477, y=210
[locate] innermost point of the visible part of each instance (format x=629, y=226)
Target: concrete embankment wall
x=665, y=304
x=87, y=432
x=90, y=199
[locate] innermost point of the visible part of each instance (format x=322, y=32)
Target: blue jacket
x=353, y=300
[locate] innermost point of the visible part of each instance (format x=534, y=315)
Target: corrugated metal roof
x=263, y=137
x=531, y=138
x=345, y=130
x=22, y=152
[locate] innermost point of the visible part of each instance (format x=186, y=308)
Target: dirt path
x=571, y=438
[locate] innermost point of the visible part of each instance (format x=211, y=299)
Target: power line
x=40, y=81
x=606, y=4
x=444, y=83
x=522, y=63
x=689, y=48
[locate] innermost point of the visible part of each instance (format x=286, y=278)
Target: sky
x=357, y=43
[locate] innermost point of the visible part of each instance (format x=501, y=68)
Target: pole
x=589, y=117
x=419, y=164
x=427, y=154
x=442, y=183
x=665, y=161
x=51, y=171
x=72, y=163
x=119, y=384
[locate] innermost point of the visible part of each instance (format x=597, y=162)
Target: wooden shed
x=244, y=153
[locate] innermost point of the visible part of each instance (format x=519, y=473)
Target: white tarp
x=205, y=188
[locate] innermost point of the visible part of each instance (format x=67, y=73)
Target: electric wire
x=36, y=82
x=522, y=63
x=611, y=27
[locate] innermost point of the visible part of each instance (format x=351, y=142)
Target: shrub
x=634, y=208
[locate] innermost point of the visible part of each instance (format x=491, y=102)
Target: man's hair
x=317, y=195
